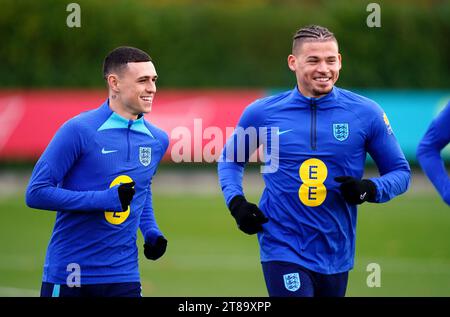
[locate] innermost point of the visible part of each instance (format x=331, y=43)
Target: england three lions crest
x=340, y=131
x=292, y=281
x=145, y=155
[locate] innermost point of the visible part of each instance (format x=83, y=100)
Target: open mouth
x=322, y=79
x=147, y=99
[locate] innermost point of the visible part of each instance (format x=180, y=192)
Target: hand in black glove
x=248, y=216
x=126, y=193
x=356, y=191
x=155, y=251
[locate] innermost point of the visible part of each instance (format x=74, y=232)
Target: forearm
x=394, y=169
x=391, y=184
x=43, y=193
x=238, y=149
x=230, y=179
x=149, y=228
x=432, y=164
x=148, y=224
x=59, y=199
x=429, y=153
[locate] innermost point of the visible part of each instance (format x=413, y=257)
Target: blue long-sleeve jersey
x=429, y=149
x=78, y=176
x=317, y=139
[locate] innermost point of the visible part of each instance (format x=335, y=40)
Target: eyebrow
x=316, y=57
x=147, y=77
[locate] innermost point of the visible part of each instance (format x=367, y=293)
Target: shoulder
x=88, y=121
x=267, y=102
x=83, y=124
x=158, y=134
x=445, y=112
x=358, y=102
x=366, y=109
x=259, y=109
x=440, y=123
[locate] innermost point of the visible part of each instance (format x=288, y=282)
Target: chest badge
x=340, y=131
x=145, y=155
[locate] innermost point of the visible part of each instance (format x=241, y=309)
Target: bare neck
x=119, y=108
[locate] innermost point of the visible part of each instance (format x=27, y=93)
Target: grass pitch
x=408, y=237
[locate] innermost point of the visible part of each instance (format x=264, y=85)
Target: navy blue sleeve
x=43, y=191
x=148, y=224
x=164, y=141
x=387, y=154
x=429, y=149
x=237, y=151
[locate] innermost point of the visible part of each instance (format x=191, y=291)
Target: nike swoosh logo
x=283, y=132
x=362, y=196
x=107, y=152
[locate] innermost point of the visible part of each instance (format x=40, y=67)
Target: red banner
x=28, y=120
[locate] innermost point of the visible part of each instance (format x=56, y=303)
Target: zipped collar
x=116, y=121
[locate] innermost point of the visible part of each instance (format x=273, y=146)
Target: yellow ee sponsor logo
x=117, y=217
x=313, y=173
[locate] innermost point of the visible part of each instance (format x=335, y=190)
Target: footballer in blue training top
x=96, y=173
x=306, y=218
x=429, y=153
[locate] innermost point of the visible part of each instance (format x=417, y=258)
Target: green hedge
x=222, y=43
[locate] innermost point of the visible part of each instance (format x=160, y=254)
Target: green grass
x=408, y=237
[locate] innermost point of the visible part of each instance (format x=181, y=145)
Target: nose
x=322, y=67
x=151, y=87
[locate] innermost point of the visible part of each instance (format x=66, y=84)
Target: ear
x=340, y=61
x=292, y=62
x=113, y=82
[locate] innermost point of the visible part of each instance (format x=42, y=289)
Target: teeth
x=146, y=98
x=322, y=79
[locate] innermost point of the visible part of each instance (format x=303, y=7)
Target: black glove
x=357, y=191
x=248, y=216
x=155, y=251
x=126, y=193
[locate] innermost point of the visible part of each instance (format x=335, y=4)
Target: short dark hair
x=118, y=58
x=311, y=33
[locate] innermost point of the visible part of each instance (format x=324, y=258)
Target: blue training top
x=310, y=223
x=78, y=176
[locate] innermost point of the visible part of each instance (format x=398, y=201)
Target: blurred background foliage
x=205, y=44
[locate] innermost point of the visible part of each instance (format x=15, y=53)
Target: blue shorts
x=286, y=279
x=132, y=289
